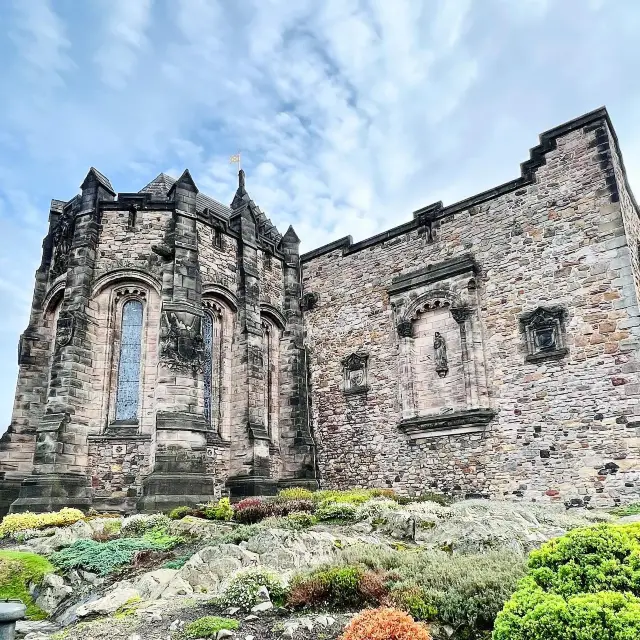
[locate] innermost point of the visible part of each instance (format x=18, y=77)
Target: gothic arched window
x=128, y=390
x=212, y=338
x=267, y=346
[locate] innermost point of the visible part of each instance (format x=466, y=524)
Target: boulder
x=52, y=592
x=109, y=603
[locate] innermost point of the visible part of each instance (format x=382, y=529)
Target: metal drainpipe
x=10, y=612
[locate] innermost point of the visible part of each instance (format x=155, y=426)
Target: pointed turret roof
x=94, y=174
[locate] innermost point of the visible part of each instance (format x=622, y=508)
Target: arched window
x=128, y=391
x=267, y=345
x=212, y=338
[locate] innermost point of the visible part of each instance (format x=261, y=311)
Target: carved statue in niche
x=181, y=344
x=61, y=236
x=440, y=349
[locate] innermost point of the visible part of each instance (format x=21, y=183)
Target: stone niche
x=442, y=370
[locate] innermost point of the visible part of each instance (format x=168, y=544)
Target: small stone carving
x=543, y=330
x=405, y=328
x=61, y=235
x=440, y=349
x=309, y=301
x=181, y=344
x=65, y=330
x=355, y=372
x=460, y=314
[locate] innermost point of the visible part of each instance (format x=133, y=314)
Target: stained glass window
x=212, y=338
x=128, y=391
x=266, y=348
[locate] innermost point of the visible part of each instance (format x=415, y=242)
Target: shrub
x=632, y=509
x=414, y=601
x=438, y=498
x=243, y=587
x=336, y=511
x=180, y=512
x=101, y=557
x=15, y=522
x=220, y=511
x=338, y=587
x=240, y=534
x=533, y=614
x=384, y=624
x=601, y=558
x=209, y=626
x=295, y=493
x=300, y=520
x=375, y=510
x=252, y=510
x=140, y=523
x=177, y=563
x=18, y=571
x=465, y=592
x=352, y=496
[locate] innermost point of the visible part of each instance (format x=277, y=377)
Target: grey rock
x=262, y=606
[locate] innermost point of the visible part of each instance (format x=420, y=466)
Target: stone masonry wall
x=565, y=429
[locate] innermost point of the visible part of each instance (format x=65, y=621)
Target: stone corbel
x=405, y=328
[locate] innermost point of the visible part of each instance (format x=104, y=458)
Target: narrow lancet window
x=212, y=338
x=128, y=392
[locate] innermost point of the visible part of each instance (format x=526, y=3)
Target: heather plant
x=384, y=624
x=295, y=493
x=329, y=510
x=140, y=523
x=243, y=588
x=16, y=522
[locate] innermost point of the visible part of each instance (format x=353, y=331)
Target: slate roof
x=159, y=187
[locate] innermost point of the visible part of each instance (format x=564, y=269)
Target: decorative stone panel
x=544, y=333
x=355, y=373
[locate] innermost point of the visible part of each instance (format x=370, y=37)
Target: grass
x=18, y=569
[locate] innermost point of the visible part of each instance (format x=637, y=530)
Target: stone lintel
x=556, y=354
x=433, y=273
x=457, y=422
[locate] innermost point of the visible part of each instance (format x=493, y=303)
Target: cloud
x=124, y=39
x=349, y=114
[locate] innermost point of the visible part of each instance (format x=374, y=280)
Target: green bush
x=438, y=498
x=414, y=601
x=209, y=626
x=352, y=496
x=220, y=511
x=582, y=585
x=632, y=509
x=102, y=557
x=243, y=587
x=589, y=559
x=300, y=520
x=180, y=512
x=329, y=510
x=177, y=563
x=18, y=571
x=533, y=614
x=295, y=493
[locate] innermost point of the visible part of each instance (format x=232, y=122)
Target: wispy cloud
x=350, y=114
x=124, y=39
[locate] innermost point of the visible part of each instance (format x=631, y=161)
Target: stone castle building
x=178, y=348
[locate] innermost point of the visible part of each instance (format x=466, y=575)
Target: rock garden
x=354, y=565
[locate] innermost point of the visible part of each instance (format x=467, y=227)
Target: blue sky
x=349, y=114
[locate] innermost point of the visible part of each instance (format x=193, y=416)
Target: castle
x=179, y=349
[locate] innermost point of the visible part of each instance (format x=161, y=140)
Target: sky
x=349, y=114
